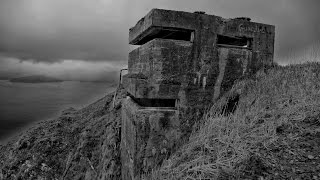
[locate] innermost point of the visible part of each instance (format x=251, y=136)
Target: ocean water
x=22, y=104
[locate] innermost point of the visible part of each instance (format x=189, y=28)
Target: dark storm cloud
x=52, y=30
x=298, y=27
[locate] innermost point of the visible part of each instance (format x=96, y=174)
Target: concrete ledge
x=140, y=88
x=160, y=57
x=157, y=18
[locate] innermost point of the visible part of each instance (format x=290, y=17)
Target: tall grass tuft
x=271, y=105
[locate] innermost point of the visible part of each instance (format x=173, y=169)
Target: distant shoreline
x=35, y=79
x=102, y=82
x=33, y=82
x=18, y=80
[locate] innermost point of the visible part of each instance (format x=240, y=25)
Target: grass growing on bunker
x=274, y=132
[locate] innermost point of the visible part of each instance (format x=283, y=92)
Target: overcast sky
x=69, y=36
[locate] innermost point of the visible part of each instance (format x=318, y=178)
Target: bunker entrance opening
x=239, y=42
x=165, y=33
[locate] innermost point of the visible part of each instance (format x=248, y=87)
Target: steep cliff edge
x=80, y=144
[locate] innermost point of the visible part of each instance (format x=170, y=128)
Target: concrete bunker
x=185, y=62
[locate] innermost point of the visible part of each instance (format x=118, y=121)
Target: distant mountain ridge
x=35, y=79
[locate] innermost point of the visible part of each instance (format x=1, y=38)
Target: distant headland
x=35, y=79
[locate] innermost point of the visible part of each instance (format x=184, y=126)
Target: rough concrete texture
x=193, y=58
x=233, y=63
x=172, y=62
x=148, y=135
x=156, y=69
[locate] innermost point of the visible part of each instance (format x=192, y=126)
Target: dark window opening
x=166, y=33
x=242, y=42
x=145, y=102
x=177, y=35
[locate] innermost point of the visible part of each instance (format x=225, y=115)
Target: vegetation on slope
x=273, y=133
x=81, y=144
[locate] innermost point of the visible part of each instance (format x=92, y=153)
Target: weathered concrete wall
x=233, y=64
x=194, y=72
x=157, y=68
x=197, y=66
x=262, y=38
x=148, y=136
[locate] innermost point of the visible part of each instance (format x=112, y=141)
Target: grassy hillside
x=273, y=132
x=80, y=144
x=266, y=127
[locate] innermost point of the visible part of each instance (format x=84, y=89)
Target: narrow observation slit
x=183, y=35
x=163, y=103
x=241, y=42
x=165, y=33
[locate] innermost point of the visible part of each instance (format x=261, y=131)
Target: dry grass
x=229, y=147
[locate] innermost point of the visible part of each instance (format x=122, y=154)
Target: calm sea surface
x=24, y=103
